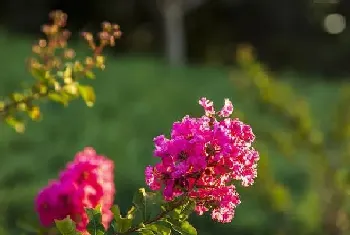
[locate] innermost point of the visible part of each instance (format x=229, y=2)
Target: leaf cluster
x=149, y=215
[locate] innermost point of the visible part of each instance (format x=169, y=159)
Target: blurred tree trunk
x=174, y=12
x=174, y=27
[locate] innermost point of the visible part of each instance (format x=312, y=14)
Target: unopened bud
x=100, y=62
x=22, y=106
x=116, y=27
x=35, y=113
x=106, y=26
x=69, y=53
x=42, y=43
x=36, y=49
x=104, y=36
x=117, y=34
x=89, y=61
x=19, y=127
x=88, y=36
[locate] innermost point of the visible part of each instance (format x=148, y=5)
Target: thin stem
x=153, y=220
x=27, y=99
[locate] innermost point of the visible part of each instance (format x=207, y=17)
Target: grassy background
x=138, y=98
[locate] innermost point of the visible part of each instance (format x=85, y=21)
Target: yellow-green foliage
x=325, y=206
x=57, y=73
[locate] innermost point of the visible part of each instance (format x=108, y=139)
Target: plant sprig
x=57, y=72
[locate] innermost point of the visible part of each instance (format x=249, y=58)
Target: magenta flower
x=202, y=159
x=86, y=182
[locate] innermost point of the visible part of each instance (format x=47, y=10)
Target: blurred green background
x=297, y=104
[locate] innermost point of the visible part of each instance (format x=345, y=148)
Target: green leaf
x=187, y=209
x=182, y=212
x=131, y=213
x=159, y=228
x=16, y=124
x=184, y=227
x=116, y=212
x=95, y=226
x=140, y=202
x=146, y=232
x=38, y=73
x=17, y=97
x=112, y=229
x=66, y=226
x=145, y=202
x=59, y=97
x=122, y=224
x=88, y=94
x=90, y=74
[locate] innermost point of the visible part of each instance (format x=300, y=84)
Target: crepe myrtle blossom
x=203, y=158
x=86, y=182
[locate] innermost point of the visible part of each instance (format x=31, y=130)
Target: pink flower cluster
x=86, y=182
x=203, y=158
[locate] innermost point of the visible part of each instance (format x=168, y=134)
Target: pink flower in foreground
x=202, y=158
x=86, y=182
